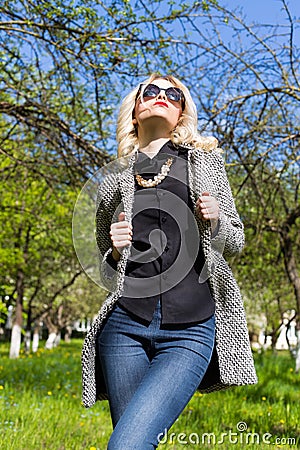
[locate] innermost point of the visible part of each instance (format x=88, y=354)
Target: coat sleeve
x=230, y=238
x=108, y=201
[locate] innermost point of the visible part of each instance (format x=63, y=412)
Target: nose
x=162, y=95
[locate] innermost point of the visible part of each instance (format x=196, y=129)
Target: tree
x=36, y=227
x=256, y=120
x=65, y=68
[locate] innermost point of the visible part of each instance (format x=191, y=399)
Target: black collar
x=145, y=164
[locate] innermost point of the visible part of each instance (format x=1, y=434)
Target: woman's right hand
x=121, y=235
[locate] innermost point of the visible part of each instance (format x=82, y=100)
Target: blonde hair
x=185, y=131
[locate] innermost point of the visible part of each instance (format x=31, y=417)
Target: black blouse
x=166, y=255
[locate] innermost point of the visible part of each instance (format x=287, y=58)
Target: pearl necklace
x=158, y=178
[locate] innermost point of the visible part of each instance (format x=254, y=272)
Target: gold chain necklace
x=158, y=178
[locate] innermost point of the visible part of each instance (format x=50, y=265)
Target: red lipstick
x=162, y=104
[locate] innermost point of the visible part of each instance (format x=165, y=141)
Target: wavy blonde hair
x=185, y=131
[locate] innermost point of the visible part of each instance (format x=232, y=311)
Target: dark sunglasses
x=172, y=93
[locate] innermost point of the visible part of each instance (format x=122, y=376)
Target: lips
x=161, y=104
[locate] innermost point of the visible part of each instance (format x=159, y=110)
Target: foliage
x=37, y=243
x=3, y=312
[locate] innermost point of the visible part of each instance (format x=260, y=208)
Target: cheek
x=139, y=108
x=177, y=115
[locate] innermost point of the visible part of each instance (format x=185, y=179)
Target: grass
x=40, y=408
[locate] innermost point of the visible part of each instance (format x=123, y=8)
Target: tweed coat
x=232, y=361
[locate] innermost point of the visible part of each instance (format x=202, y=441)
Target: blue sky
x=264, y=11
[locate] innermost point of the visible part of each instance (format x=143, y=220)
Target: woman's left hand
x=208, y=207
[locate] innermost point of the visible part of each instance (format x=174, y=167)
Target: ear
x=134, y=121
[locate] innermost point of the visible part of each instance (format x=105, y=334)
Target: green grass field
x=40, y=408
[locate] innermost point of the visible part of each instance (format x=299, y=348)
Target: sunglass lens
x=173, y=94
x=151, y=91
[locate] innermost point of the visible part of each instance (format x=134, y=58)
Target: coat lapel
x=126, y=185
x=199, y=182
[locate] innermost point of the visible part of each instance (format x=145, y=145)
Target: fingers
x=121, y=216
x=208, y=207
x=121, y=232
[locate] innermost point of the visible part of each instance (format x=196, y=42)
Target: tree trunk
x=36, y=335
x=54, y=334
x=68, y=333
x=35, y=339
x=291, y=269
x=17, y=326
x=57, y=339
x=15, y=343
x=51, y=341
x=297, y=368
x=27, y=341
x=273, y=340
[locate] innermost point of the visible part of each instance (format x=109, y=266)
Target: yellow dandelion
x=264, y=399
x=74, y=395
x=93, y=448
x=49, y=393
x=291, y=369
x=1, y=387
x=282, y=421
x=260, y=414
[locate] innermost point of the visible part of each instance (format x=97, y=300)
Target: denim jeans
x=151, y=373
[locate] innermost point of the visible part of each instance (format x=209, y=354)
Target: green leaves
x=65, y=66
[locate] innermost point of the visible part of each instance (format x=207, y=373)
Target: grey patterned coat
x=232, y=362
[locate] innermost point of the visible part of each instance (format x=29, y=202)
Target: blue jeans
x=151, y=373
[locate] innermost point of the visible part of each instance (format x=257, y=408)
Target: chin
x=158, y=119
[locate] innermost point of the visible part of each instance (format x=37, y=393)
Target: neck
x=152, y=148
x=153, y=134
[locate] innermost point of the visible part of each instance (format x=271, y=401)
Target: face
x=158, y=108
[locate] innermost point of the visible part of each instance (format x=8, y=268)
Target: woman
x=173, y=321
